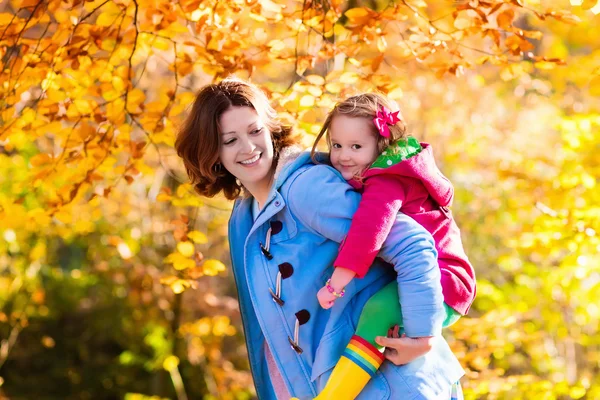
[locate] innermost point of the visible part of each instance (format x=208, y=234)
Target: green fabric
x=383, y=311
x=451, y=316
x=400, y=151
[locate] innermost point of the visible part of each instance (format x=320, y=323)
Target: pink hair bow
x=383, y=119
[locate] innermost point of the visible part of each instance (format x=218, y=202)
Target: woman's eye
x=257, y=131
x=356, y=146
x=230, y=141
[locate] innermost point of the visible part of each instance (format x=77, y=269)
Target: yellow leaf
x=462, y=21
x=40, y=159
x=222, y=326
x=381, y=44
x=38, y=252
x=354, y=13
x=537, y=35
x=260, y=35
x=183, y=189
x=276, y=45
x=396, y=93
x=316, y=80
x=213, y=267
x=418, y=38
x=349, y=78
x=197, y=237
x=505, y=19
x=171, y=363
x=307, y=101
x=359, y=16
x=6, y=18
x=595, y=86
x=109, y=14
x=339, y=30
x=135, y=97
x=163, y=197
x=186, y=249
x=118, y=83
x=64, y=216
x=268, y=5
x=545, y=65
x=315, y=91
x=179, y=261
x=417, y=3
x=513, y=42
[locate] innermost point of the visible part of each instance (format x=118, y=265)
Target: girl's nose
x=344, y=155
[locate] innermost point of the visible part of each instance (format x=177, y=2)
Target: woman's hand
x=402, y=350
x=326, y=299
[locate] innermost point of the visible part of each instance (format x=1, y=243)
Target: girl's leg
x=362, y=357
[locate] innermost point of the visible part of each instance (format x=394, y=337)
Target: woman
x=284, y=234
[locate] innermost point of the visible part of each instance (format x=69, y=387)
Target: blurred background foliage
x=114, y=275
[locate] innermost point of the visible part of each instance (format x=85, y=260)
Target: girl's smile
x=353, y=145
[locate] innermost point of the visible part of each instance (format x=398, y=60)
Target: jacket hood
x=422, y=167
x=290, y=159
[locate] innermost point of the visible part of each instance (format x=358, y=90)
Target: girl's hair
x=364, y=105
x=198, y=140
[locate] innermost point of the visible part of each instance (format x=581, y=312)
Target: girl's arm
x=323, y=201
x=381, y=200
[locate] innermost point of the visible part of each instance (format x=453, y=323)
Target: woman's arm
x=322, y=200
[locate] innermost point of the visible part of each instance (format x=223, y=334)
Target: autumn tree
x=101, y=229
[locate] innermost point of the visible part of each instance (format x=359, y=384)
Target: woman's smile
x=251, y=161
x=246, y=149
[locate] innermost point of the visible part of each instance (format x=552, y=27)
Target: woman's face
x=246, y=148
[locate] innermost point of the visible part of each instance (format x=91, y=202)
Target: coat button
x=276, y=227
x=302, y=316
x=286, y=270
x=277, y=203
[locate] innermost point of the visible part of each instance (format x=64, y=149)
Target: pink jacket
x=417, y=188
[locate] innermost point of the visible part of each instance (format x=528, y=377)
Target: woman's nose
x=248, y=146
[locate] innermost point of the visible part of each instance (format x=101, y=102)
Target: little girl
x=369, y=146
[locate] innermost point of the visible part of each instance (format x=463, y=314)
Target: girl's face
x=353, y=145
x=246, y=148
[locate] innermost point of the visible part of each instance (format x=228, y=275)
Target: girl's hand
x=325, y=298
x=402, y=350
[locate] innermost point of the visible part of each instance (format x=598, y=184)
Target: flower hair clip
x=384, y=118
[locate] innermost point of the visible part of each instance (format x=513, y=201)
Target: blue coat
x=309, y=211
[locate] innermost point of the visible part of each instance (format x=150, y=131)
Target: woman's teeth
x=250, y=161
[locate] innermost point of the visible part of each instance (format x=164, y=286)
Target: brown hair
x=364, y=105
x=198, y=140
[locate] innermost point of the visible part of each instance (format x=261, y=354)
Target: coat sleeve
x=321, y=200
x=381, y=200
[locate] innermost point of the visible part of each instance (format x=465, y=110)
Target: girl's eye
x=356, y=146
x=336, y=146
x=257, y=131
x=230, y=141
